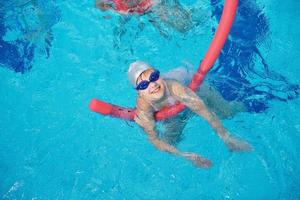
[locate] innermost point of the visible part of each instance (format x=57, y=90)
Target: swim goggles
x=154, y=76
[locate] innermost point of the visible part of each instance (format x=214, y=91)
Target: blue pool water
x=56, y=56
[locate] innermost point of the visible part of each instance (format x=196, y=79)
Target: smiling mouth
x=155, y=90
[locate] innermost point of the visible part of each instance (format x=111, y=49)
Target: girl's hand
x=197, y=160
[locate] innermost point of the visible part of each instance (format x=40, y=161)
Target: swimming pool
x=53, y=147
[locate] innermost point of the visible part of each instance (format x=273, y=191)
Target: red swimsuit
x=140, y=8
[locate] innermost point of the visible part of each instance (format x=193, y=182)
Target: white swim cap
x=135, y=70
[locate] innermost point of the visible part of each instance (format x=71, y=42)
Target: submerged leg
x=174, y=15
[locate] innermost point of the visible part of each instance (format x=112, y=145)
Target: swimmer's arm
x=159, y=144
x=196, y=159
x=147, y=122
x=145, y=118
x=193, y=102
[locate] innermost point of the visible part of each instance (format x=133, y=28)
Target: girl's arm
x=145, y=118
x=193, y=102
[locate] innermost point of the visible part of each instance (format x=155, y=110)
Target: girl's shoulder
x=174, y=86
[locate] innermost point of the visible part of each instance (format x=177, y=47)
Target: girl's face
x=155, y=90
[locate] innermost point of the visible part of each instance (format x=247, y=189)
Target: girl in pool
x=155, y=93
x=170, y=12
x=125, y=6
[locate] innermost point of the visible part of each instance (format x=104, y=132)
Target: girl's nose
x=153, y=84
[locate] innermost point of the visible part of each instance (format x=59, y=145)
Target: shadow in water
x=242, y=73
x=25, y=29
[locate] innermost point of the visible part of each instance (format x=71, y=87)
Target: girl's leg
x=174, y=15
